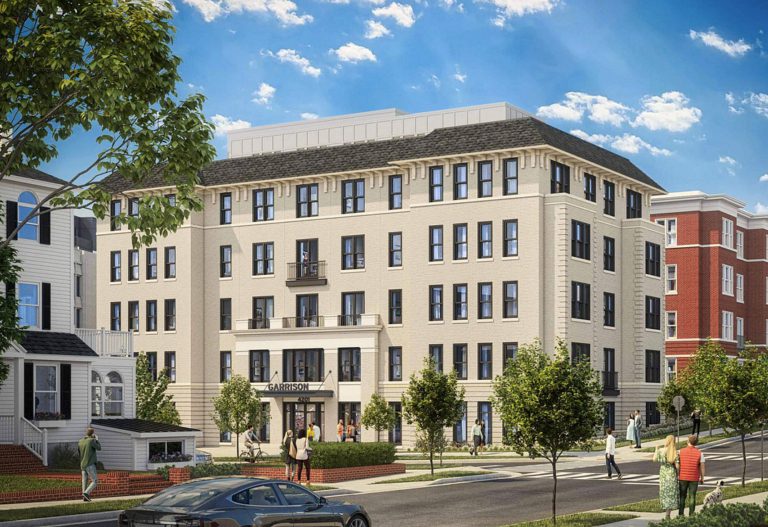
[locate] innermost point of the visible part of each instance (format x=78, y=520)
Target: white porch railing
x=107, y=343
x=35, y=439
x=7, y=430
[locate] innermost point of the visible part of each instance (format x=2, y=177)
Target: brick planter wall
x=329, y=475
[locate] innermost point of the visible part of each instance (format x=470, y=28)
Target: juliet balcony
x=306, y=274
x=309, y=323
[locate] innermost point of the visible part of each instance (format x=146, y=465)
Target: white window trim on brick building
x=740, y=288
x=727, y=238
x=740, y=244
x=671, y=323
x=727, y=280
x=671, y=279
x=727, y=326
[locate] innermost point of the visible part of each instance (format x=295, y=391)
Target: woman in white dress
x=631, y=430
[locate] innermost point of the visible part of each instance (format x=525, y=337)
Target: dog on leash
x=715, y=497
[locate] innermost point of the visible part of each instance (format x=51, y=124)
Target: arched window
x=106, y=395
x=27, y=202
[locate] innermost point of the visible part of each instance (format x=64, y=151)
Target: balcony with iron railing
x=308, y=322
x=107, y=343
x=610, y=383
x=306, y=273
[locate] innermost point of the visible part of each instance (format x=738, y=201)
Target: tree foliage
x=549, y=405
x=671, y=390
x=152, y=403
x=433, y=401
x=9, y=322
x=105, y=68
x=378, y=414
x=237, y=406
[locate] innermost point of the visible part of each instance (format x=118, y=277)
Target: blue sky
x=681, y=88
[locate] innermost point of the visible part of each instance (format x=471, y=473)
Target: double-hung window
x=580, y=300
x=652, y=259
x=436, y=243
x=436, y=356
x=435, y=302
x=561, y=178
x=609, y=198
x=485, y=239
x=634, y=204
x=460, y=360
x=133, y=315
x=263, y=258
x=133, y=265
x=460, y=308
x=395, y=363
x=580, y=239
x=353, y=252
x=225, y=208
x=353, y=196
x=395, y=249
x=727, y=236
x=740, y=244
x=485, y=361
x=151, y=263
x=264, y=204
x=460, y=181
x=609, y=310
x=609, y=253
x=727, y=274
x=435, y=184
x=652, y=366
x=460, y=242
x=510, y=299
x=307, y=204
x=151, y=315
x=170, y=314
x=115, y=266
x=671, y=324
x=395, y=192
x=485, y=300
x=580, y=351
x=133, y=207
x=484, y=179
x=740, y=288
x=349, y=364
x=509, y=352
x=590, y=188
x=258, y=369
x=225, y=314
x=225, y=366
x=115, y=209
x=510, y=237
x=225, y=261
x=114, y=316
x=671, y=278
x=510, y=176
x=395, y=306
x=652, y=312
x=727, y=329
x=170, y=365
x=170, y=262
x=28, y=310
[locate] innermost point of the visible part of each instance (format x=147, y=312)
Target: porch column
x=18, y=397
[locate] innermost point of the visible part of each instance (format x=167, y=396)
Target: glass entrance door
x=306, y=257
x=297, y=416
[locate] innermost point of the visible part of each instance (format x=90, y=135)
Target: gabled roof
x=39, y=175
x=54, y=343
x=140, y=426
x=457, y=140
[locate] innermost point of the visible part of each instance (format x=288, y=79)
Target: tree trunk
x=431, y=462
x=237, y=446
x=554, y=491
x=743, y=461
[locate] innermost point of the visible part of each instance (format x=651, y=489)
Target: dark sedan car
x=240, y=502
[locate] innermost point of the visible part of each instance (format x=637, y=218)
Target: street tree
x=672, y=389
x=9, y=323
x=378, y=414
x=152, y=401
x=548, y=404
x=104, y=72
x=238, y=406
x=433, y=401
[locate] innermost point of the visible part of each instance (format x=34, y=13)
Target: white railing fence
x=7, y=429
x=107, y=343
x=35, y=439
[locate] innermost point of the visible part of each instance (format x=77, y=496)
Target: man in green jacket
x=88, y=447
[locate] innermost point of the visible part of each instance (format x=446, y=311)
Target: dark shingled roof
x=140, y=426
x=39, y=175
x=457, y=140
x=53, y=343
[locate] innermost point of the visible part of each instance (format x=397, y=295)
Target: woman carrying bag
x=303, y=455
x=668, y=489
x=289, y=445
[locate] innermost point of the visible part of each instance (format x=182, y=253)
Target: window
x=435, y=302
x=106, y=395
x=170, y=365
x=740, y=288
x=303, y=365
x=561, y=178
x=307, y=311
x=225, y=261
x=671, y=369
x=609, y=254
x=652, y=259
x=152, y=364
x=580, y=306
x=653, y=416
x=353, y=252
x=225, y=208
x=727, y=239
x=262, y=309
x=634, y=204
x=395, y=363
x=46, y=390
x=484, y=361
x=258, y=365
x=652, y=312
x=509, y=352
x=740, y=332
x=115, y=208
x=460, y=181
x=460, y=310
x=727, y=280
x=485, y=414
x=133, y=207
x=580, y=235
x=395, y=434
x=590, y=188
x=78, y=317
x=171, y=199
x=436, y=243
x=225, y=437
x=133, y=265
x=510, y=299
x=151, y=315
x=609, y=310
x=114, y=316
x=225, y=314
x=306, y=201
x=395, y=306
x=460, y=427
x=27, y=203
x=258, y=496
x=671, y=324
x=460, y=360
x=435, y=184
x=264, y=204
x=225, y=366
x=485, y=239
x=133, y=316
x=727, y=329
x=395, y=249
x=670, y=228
x=353, y=196
x=484, y=300
x=652, y=366
x=395, y=192
x=609, y=420
x=170, y=262
x=352, y=306
x=460, y=243
x=671, y=279
x=263, y=258
x=609, y=198
x=436, y=356
x=510, y=176
x=115, y=266
x=580, y=351
x=484, y=179
x=152, y=264
x=510, y=237
x=170, y=314
x=349, y=364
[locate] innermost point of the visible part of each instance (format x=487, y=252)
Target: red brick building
x=715, y=273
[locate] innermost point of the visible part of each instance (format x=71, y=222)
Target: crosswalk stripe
x=574, y=475
x=647, y=478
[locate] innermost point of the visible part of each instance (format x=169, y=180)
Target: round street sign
x=678, y=402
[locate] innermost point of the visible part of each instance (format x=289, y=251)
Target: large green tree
x=9, y=324
x=672, y=389
x=152, y=403
x=378, y=414
x=433, y=401
x=238, y=406
x=548, y=404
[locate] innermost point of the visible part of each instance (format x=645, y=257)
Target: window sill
x=53, y=423
x=511, y=319
x=658, y=331
x=263, y=275
x=115, y=283
x=350, y=271
x=461, y=321
x=169, y=279
x=484, y=320
x=516, y=257
x=133, y=281
x=437, y=262
x=399, y=325
x=150, y=332
x=581, y=320
x=653, y=276
x=583, y=260
x=436, y=322
x=610, y=327
x=460, y=261
x=671, y=292
x=225, y=279
x=150, y=281
x=486, y=259
x=170, y=331
x=396, y=268
x=609, y=272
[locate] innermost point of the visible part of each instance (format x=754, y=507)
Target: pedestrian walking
x=311, y=431
x=610, y=453
x=638, y=425
x=303, y=455
x=669, y=492
x=482, y=436
x=88, y=447
x=289, y=447
x=316, y=432
x=631, y=429
x=696, y=417
x=340, y=436
x=477, y=437
x=690, y=473
x=351, y=432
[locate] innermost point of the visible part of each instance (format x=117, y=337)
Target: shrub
x=211, y=469
x=163, y=471
x=733, y=515
x=64, y=456
x=340, y=455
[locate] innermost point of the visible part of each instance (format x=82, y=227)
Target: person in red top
x=690, y=472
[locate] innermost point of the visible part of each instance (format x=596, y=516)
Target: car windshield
x=189, y=494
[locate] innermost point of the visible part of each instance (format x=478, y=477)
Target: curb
x=465, y=479
x=60, y=521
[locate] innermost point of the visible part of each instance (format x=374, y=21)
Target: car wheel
x=357, y=521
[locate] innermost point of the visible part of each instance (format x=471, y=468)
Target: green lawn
x=703, y=440
x=425, y=466
x=63, y=510
x=16, y=483
x=587, y=519
x=318, y=488
x=728, y=493
x=439, y=475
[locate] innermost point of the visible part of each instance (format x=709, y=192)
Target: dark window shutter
x=45, y=225
x=11, y=218
x=46, y=304
x=10, y=289
x=66, y=391
x=29, y=391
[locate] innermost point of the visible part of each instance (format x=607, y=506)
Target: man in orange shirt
x=690, y=472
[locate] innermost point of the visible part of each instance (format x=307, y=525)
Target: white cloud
x=727, y=160
x=283, y=10
x=224, y=124
x=758, y=102
x=710, y=38
x=628, y=143
x=401, y=13
x=512, y=8
x=195, y=87
x=598, y=139
x=351, y=52
x=731, y=100
x=668, y=111
x=764, y=178
x=460, y=77
x=761, y=209
x=600, y=109
x=375, y=29
x=264, y=94
x=309, y=116
x=290, y=56
x=208, y=8
x=434, y=80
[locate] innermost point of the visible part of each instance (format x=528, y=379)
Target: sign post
x=678, y=402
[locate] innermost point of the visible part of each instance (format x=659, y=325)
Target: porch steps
x=16, y=459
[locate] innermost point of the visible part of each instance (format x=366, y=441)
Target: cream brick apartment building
x=333, y=256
